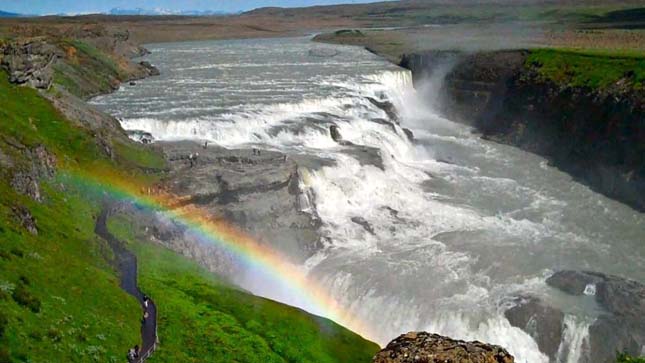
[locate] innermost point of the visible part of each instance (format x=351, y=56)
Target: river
x=456, y=225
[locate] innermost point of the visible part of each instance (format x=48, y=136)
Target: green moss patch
x=593, y=69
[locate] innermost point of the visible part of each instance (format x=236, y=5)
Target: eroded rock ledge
x=422, y=347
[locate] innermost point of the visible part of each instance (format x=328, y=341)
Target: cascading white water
x=575, y=344
x=437, y=234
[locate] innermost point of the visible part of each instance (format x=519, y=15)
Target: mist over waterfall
x=439, y=232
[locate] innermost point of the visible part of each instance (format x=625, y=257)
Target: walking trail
x=126, y=264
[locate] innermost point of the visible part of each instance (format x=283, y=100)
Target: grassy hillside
x=596, y=69
x=86, y=71
x=201, y=316
x=59, y=296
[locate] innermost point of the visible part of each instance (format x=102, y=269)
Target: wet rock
x=363, y=223
x=622, y=327
x=30, y=62
x=409, y=134
x=335, y=133
x=150, y=69
x=387, y=107
x=258, y=191
x=540, y=321
x=571, y=282
x=417, y=347
x=141, y=136
x=24, y=217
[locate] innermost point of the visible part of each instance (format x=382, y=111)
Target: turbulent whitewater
x=450, y=226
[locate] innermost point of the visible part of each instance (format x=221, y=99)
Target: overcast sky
x=94, y=6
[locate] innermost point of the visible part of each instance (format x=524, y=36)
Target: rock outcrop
x=596, y=135
x=541, y=321
x=622, y=327
x=335, y=133
x=25, y=218
x=422, y=347
x=30, y=62
x=256, y=190
x=37, y=163
x=387, y=107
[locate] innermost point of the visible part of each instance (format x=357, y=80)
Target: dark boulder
x=387, y=107
x=424, y=347
x=335, y=133
x=150, y=69
x=409, y=134
x=363, y=223
x=542, y=322
x=571, y=282
x=141, y=136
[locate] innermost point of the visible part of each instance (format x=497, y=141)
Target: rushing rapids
x=439, y=234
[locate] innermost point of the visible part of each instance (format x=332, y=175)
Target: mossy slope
x=592, y=68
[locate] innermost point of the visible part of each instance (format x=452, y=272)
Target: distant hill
x=160, y=11
x=5, y=14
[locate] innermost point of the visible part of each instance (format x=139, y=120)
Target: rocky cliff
x=596, y=134
x=422, y=347
x=86, y=60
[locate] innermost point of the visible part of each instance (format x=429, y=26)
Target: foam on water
x=436, y=236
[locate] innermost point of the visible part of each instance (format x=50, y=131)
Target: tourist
x=131, y=355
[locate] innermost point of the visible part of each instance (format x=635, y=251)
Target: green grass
x=61, y=300
x=202, y=316
x=597, y=69
x=85, y=70
x=31, y=120
x=139, y=156
x=625, y=358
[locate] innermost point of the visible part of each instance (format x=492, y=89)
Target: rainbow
x=263, y=260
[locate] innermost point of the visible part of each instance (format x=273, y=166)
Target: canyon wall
x=596, y=135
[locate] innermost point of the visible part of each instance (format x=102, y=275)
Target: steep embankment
x=584, y=111
x=60, y=298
